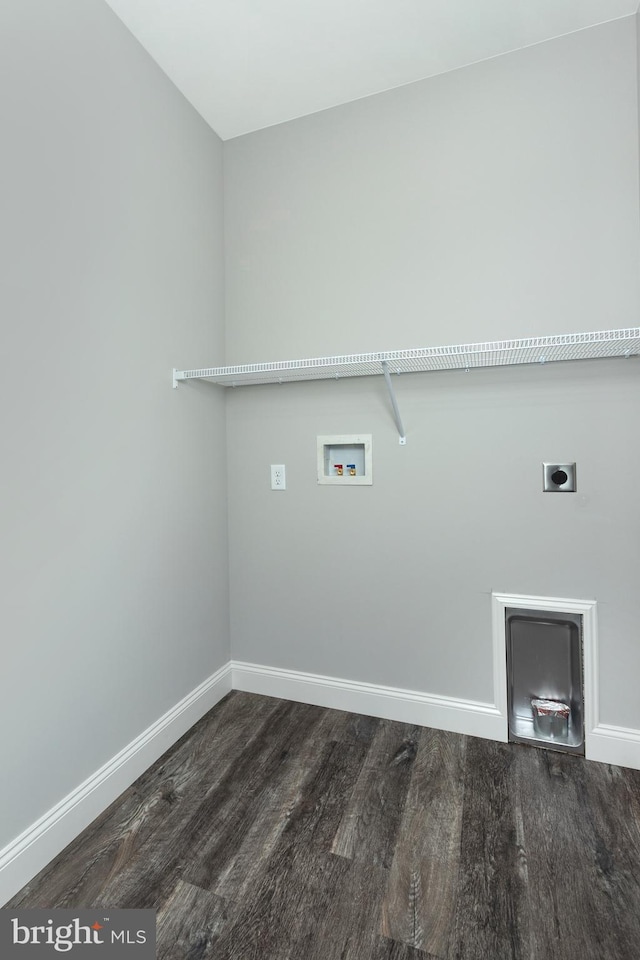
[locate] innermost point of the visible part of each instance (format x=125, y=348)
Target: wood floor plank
x=609, y=799
x=286, y=908
x=269, y=814
x=276, y=758
x=348, y=930
x=491, y=910
x=351, y=727
x=297, y=882
x=370, y=824
x=419, y=903
x=393, y=950
x=188, y=923
x=577, y=855
x=314, y=820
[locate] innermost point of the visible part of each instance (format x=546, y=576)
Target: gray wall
x=637, y=19
x=500, y=200
x=114, y=565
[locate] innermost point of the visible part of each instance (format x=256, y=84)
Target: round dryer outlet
x=559, y=477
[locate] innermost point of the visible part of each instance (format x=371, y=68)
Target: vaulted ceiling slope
x=249, y=64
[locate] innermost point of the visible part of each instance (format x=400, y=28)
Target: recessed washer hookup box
x=345, y=460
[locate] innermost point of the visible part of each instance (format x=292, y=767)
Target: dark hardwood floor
x=281, y=831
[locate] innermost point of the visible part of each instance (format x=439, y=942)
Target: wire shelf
x=466, y=356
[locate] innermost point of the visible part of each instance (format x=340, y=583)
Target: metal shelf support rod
x=394, y=402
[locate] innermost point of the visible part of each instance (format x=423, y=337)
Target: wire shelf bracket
x=394, y=402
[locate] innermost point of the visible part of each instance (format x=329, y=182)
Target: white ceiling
x=248, y=64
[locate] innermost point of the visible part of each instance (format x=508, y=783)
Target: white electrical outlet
x=278, y=477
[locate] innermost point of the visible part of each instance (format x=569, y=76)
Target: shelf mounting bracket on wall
x=394, y=402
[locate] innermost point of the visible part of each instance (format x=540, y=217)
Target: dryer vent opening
x=545, y=679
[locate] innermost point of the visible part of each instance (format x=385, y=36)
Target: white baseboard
x=392, y=703
x=25, y=856
x=618, y=745
x=604, y=744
